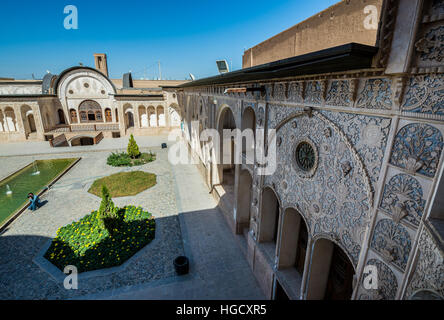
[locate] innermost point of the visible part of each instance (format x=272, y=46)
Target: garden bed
x=89, y=246
x=124, y=160
x=124, y=183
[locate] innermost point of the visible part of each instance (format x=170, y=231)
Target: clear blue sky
x=185, y=35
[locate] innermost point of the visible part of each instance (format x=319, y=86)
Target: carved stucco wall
x=379, y=138
x=338, y=204
x=11, y=89
x=428, y=273
x=335, y=202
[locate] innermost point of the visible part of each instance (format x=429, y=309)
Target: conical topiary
x=108, y=212
x=133, y=148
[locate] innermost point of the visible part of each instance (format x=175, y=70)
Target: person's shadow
x=43, y=202
x=40, y=205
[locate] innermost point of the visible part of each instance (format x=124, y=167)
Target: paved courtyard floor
x=188, y=217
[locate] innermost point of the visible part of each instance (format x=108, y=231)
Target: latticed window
x=83, y=116
x=92, y=111
x=305, y=156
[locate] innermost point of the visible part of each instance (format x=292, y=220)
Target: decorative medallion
x=305, y=158
x=431, y=46
x=376, y=94
x=417, y=148
x=403, y=198
x=425, y=94
x=393, y=242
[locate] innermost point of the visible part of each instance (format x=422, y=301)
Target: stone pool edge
x=50, y=184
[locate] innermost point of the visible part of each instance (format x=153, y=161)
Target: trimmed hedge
x=87, y=245
x=124, y=160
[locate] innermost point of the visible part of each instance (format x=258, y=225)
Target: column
x=19, y=121
x=307, y=266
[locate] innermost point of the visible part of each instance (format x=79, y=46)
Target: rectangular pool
x=32, y=178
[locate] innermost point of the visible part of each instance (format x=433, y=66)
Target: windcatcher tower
x=100, y=63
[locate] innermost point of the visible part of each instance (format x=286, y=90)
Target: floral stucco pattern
x=429, y=271
x=338, y=93
x=313, y=92
x=417, y=148
x=387, y=283
x=368, y=135
x=431, y=46
x=334, y=200
x=403, y=198
x=392, y=241
x=296, y=91
x=376, y=94
x=425, y=94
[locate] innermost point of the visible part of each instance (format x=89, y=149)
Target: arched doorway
x=161, y=116
x=294, y=240
x=108, y=115
x=61, y=116
x=2, y=123
x=244, y=202
x=174, y=116
x=73, y=115
x=331, y=273
x=226, y=155
x=31, y=123
x=249, y=122
x=269, y=217
x=10, y=120
x=90, y=111
x=28, y=120
x=152, y=118
x=129, y=119
x=143, y=117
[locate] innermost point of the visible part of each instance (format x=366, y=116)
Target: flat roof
x=346, y=57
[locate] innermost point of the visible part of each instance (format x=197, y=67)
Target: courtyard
x=188, y=223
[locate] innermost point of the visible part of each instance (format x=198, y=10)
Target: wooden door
x=301, y=248
x=340, y=278
x=108, y=115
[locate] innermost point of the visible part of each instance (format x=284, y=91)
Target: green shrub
x=108, y=212
x=119, y=160
x=86, y=245
x=124, y=160
x=133, y=148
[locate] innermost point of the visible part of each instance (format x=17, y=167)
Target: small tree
x=108, y=212
x=133, y=148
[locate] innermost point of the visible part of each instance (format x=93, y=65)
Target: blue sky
x=186, y=36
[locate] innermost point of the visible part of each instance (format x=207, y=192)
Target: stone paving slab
x=218, y=269
x=192, y=225
x=68, y=201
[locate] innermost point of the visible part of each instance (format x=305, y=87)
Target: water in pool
x=33, y=178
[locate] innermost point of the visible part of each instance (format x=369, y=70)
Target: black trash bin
x=164, y=145
x=182, y=265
